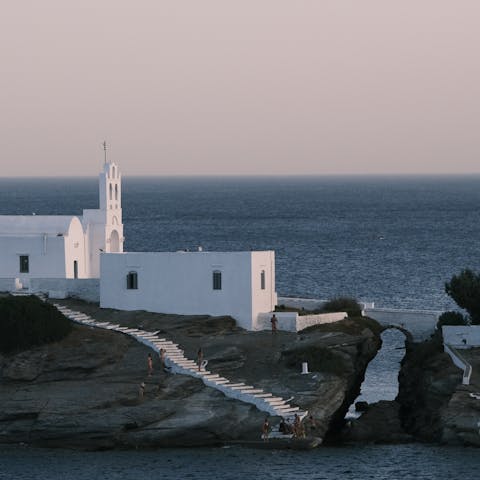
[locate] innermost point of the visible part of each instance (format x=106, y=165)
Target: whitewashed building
x=63, y=255
x=61, y=246
x=240, y=284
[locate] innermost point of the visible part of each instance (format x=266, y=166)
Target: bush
x=464, y=288
x=451, y=318
x=27, y=322
x=343, y=304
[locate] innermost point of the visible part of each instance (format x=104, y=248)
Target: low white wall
x=305, y=321
x=87, y=289
x=461, y=336
x=312, y=303
x=293, y=322
x=420, y=323
x=287, y=321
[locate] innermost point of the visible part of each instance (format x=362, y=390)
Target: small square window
x=24, y=266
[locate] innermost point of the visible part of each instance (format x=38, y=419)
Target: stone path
x=178, y=363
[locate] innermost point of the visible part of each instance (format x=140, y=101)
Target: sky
x=240, y=87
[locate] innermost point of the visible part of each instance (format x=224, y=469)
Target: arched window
x=110, y=191
x=113, y=172
x=262, y=279
x=116, y=192
x=132, y=281
x=217, y=280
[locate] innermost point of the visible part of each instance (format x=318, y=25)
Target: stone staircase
x=178, y=363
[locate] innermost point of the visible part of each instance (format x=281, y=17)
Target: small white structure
x=41, y=246
x=461, y=336
x=240, y=284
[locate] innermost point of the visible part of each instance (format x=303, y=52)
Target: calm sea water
x=349, y=463
x=394, y=241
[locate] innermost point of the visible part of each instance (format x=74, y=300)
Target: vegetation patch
x=464, y=289
x=452, y=318
x=343, y=304
x=27, y=322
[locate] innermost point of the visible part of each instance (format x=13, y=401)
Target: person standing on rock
x=200, y=358
x=150, y=365
x=274, y=321
x=296, y=426
x=265, y=430
x=161, y=354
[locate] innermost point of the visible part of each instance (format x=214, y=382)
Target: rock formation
x=83, y=392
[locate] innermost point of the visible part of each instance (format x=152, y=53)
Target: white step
x=287, y=410
x=176, y=356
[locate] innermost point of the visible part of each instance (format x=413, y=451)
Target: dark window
x=24, y=264
x=75, y=269
x=262, y=280
x=217, y=280
x=132, y=281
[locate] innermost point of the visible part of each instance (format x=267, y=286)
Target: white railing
x=460, y=362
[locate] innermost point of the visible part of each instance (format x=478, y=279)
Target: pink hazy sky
x=240, y=86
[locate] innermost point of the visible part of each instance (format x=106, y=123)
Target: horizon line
x=253, y=175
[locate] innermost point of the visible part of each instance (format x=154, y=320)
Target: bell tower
x=104, y=227
x=110, y=192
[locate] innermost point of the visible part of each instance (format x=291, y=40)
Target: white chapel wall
x=75, y=251
x=263, y=299
x=46, y=256
x=180, y=283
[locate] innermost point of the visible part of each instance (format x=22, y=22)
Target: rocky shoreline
x=82, y=392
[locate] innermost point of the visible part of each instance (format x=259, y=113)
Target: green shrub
x=451, y=318
x=464, y=288
x=27, y=322
x=343, y=304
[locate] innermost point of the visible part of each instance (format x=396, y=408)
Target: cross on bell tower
x=105, y=150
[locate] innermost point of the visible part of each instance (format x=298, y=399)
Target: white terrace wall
x=312, y=303
x=182, y=283
x=461, y=336
x=293, y=322
x=87, y=289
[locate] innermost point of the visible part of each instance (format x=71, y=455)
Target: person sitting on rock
x=141, y=391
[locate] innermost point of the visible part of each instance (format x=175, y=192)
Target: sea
x=394, y=241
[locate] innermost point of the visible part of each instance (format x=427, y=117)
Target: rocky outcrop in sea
x=83, y=392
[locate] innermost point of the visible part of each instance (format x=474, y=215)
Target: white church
x=83, y=257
